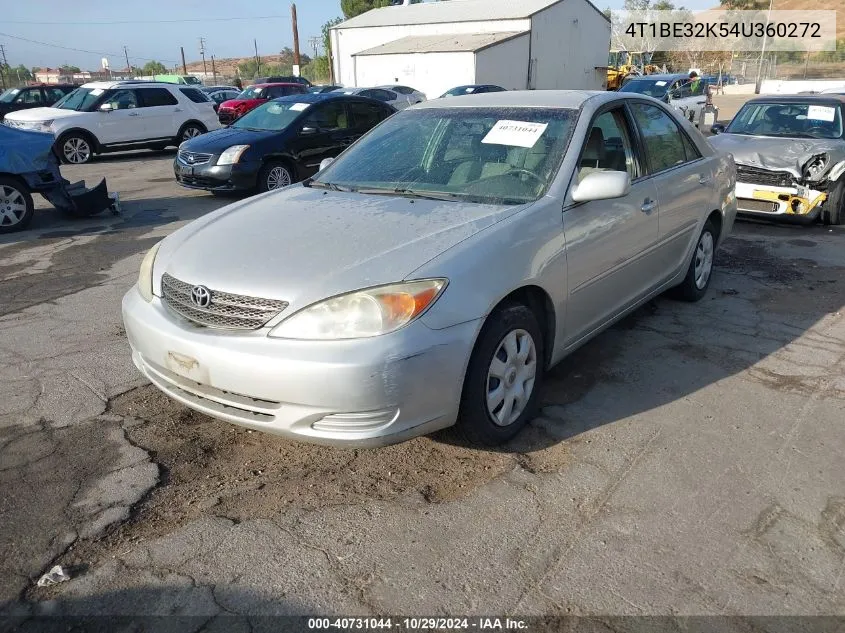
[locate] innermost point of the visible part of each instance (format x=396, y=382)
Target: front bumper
x=210, y=177
x=365, y=392
x=798, y=204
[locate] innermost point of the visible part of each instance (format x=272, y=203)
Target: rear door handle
x=648, y=206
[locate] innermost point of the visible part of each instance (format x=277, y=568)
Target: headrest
x=595, y=149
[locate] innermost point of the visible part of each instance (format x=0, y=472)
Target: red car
x=253, y=97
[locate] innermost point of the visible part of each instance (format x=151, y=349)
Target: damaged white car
x=790, y=157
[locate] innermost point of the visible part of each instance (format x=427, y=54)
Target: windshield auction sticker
x=821, y=113
x=515, y=133
x=299, y=107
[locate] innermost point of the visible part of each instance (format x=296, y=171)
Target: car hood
x=24, y=152
x=302, y=245
x=783, y=154
x=219, y=140
x=233, y=103
x=40, y=114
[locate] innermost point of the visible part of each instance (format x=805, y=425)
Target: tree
x=70, y=69
x=351, y=8
x=744, y=5
x=154, y=68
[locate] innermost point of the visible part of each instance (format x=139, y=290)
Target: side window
x=690, y=149
x=157, y=97
x=664, y=141
x=330, y=117
x=608, y=146
x=403, y=90
x=54, y=94
x=370, y=94
x=122, y=99
x=365, y=115
x=197, y=96
x=29, y=96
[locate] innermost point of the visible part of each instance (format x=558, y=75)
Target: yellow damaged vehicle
x=790, y=157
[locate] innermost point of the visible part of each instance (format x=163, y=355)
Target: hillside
x=815, y=5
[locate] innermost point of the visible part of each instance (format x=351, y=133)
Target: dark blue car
x=278, y=143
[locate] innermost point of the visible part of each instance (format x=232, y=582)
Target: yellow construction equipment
x=623, y=64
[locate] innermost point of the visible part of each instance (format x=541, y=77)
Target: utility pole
x=759, y=83
x=184, y=66
x=315, y=45
x=257, y=59
x=202, y=53
x=128, y=66
x=295, y=40
x=213, y=69
x=3, y=67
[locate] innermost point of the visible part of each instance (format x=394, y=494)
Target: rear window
x=157, y=97
x=197, y=96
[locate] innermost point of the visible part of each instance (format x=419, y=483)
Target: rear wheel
x=501, y=387
x=16, y=206
x=76, y=148
x=834, y=207
x=274, y=175
x=700, y=271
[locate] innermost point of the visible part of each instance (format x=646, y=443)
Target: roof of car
x=662, y=77
x=523, y=98
x=797, y=98
x=316, y=97
x=108, y=85
x=276, y=83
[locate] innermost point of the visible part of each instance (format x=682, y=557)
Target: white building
x=517, y=44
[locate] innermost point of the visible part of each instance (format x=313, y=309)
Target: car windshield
x=790, y=120
x=80, y=99
x=192, y=81
x=7, y=96
x=484, y=155
x=656, y=88
x=253, y=92
x=275, y=115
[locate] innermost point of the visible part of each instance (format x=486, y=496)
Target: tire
x=700, y=271
x=190, y=130
x=483, y=418
x=16, y=208
x=834, y=207
x=274, y=175
x=75, y=148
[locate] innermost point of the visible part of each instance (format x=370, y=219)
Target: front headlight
x=814, y=167
x=364, y=313
x=145, y=276
x=45, y=126
x=232, y=155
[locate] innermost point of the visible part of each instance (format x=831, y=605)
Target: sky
x=228, y=28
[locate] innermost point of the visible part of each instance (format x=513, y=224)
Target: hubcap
x=278, y=177
x=76, y=150
x=191, y=132
x=12, y=206
x=703, y=260
x=510, y=379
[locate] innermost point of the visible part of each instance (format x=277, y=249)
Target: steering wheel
x=526, y=172
x=817, y=128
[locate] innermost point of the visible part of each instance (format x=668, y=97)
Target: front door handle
x=648, y=206
x=178, y=110
x=134, y=114
x=705, y=180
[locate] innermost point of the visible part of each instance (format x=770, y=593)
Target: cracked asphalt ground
x=687, y=461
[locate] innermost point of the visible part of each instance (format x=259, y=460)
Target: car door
x=609, y=243
x=124, y=123
x=29, y=98
x=683, y=179
x=163, y=115
x=324, y=133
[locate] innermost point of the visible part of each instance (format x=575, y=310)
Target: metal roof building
x=435, y=46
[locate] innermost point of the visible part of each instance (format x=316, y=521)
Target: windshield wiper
x=411, y=193
x=318, y=184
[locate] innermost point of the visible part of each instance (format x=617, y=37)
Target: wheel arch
x=19, y=179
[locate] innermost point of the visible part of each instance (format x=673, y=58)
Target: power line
x=89, y=23
x=82, y=50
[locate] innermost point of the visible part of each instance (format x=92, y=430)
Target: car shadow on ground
x=759, y=304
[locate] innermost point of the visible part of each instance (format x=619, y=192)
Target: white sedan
x=392, y=97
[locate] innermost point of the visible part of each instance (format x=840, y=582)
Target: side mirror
x=325, y=163
x=106, y=107
x=718, y=128
x=308, y=130
x=602, y=185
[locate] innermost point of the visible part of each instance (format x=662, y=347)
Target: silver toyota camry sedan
x=432, y=273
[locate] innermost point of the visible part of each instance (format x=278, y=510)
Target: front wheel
x=697, y=280
x=502, y=383
x=76, y=149
x=834, y=206
x=274, y=175
x=189, y=131
x=16, y=207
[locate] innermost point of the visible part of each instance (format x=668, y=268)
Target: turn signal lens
x=145, y=276
x=362, y=314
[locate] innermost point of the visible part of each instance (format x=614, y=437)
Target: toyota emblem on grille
x=201, y=296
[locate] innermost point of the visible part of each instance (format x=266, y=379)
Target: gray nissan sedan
x=432, y=273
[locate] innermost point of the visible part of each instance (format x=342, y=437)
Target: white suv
x=109, y=116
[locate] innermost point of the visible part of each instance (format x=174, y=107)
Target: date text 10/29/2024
x=417, y=624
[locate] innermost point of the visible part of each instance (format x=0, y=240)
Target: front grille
x=225, y=310
x=193, y=158
x=758, y=206
x=758, y=176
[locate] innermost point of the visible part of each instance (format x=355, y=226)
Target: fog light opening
x=797, y=206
